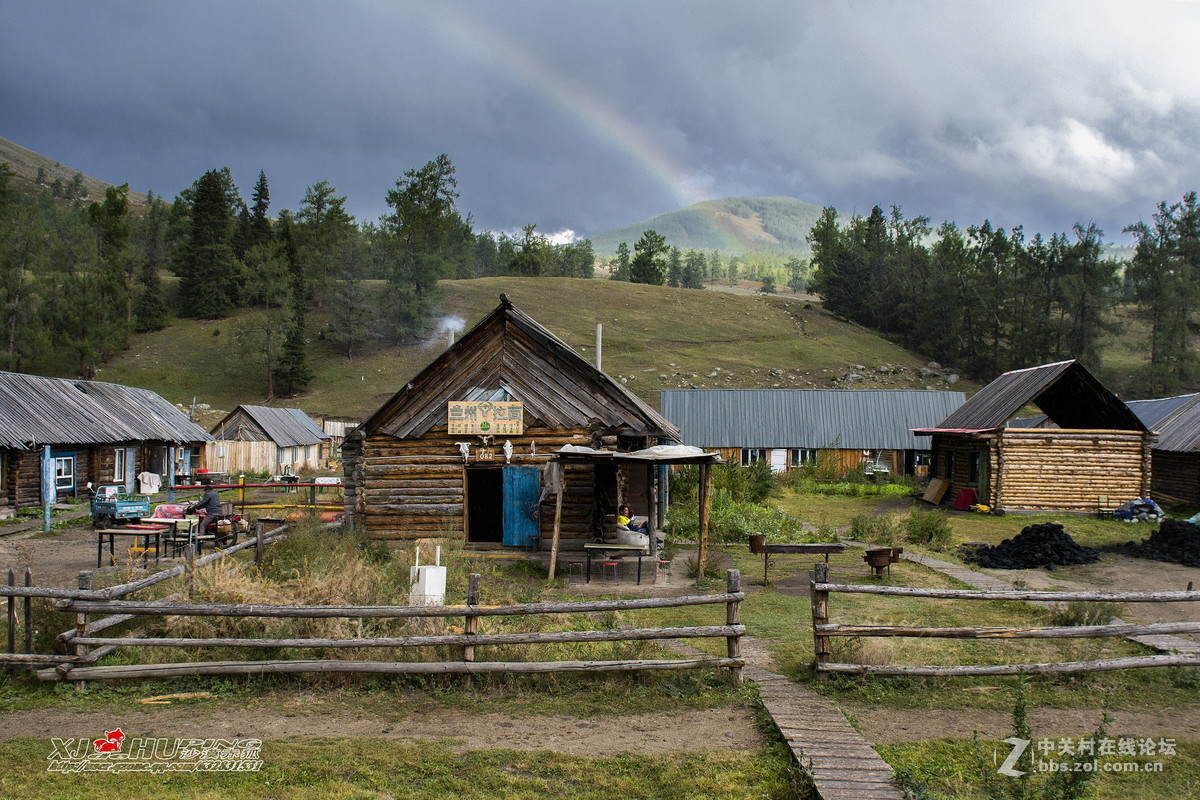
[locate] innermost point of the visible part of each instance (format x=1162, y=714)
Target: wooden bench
x=804, y=548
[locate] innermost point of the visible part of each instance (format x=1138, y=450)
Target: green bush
x=882, y=529
x=732, y=520
x=927, y=528
x=752, y=484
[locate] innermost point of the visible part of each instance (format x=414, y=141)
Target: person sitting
x=626, y=517
x=209, y=509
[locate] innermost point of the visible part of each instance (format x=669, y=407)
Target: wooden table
x=799, y=548
x=592, y=547
x=145, y=532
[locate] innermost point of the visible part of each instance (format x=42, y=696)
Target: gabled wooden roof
x=508, y=350
x=1069, y=395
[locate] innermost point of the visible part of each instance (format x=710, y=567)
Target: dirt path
x=713, y=729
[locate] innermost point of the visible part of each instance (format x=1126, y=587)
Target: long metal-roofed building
x=1176, y=454
x=99, y=433
x=863, y=430
x=266, y=439
x=1097, y=453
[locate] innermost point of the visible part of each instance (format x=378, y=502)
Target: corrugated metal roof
x=1177, y=420
x=35, y=410
x=1068, y=393
x=867, y=419
x=286, y=427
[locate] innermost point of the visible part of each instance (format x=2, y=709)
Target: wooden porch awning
x=660, y=454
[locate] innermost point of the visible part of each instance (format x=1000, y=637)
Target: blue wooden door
x=522, y=485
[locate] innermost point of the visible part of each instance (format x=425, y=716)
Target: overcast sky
x=590, y=115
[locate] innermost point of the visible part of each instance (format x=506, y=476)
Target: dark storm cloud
x=591, y=115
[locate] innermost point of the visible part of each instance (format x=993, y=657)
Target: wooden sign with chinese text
x=488, y=417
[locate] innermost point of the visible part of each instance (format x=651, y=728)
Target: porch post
x=704, y=491
x=48, y=491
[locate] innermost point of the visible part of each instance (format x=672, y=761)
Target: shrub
x=1083, y=613
x=877, y=529
x=928, y=528
x=732, y=520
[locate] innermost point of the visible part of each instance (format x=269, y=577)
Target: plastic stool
x=610, y=570
x=572, y=569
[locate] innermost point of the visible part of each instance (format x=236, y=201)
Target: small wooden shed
x=1098, y=453
x=1176, y=455
x=266, y=439
x=460, y=451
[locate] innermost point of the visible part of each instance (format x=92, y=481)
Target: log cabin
x=460, y=451
x=99, y=433
x=1097, y=453
x=842, y=431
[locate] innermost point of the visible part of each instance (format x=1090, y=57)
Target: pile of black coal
x=1045, y=545
x=1175, y=541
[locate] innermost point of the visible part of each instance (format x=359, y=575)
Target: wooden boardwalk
x=842, y=764
x=1164, y=643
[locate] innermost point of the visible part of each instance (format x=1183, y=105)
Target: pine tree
x=208, y=272
x=423, y=231
x=648, y=264
x=622, y=271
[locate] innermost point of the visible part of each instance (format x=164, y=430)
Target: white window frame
x=120, y=454
x=60, y=473
x=802, y=457
x=752, y=454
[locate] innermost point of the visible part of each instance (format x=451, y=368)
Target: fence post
x=12, y=619
x=189, y=569
x=733, y=616
x=28, y=613
x=820, y=616
x=81, y=621
x=471, y=621
x=258, y=543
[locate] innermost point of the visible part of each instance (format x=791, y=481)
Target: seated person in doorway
x=208, y=507
x=625, y=517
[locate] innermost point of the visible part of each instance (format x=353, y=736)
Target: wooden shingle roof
x=508, y=350
x=36, y=411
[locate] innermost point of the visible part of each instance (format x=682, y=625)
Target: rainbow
x=490, y=47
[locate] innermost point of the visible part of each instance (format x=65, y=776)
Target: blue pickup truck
x=112, y=505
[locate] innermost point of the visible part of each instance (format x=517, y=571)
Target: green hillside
x=25, y=165
x=735, y=226
x=654, y=338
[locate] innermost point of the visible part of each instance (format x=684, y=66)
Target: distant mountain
x=771, y=225
x=26, y=165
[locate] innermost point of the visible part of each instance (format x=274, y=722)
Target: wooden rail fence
x=823, y=630
x=89, y=646
x=83, y=654
x=466, y=642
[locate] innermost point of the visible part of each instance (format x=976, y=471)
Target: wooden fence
x=85, y=603
x=823, y=629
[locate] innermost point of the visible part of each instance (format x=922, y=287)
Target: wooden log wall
x=416, y=488
x=24, y=479
x=1176, y=476
x=1069, y=470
